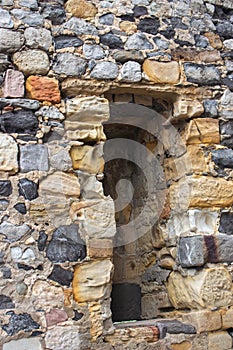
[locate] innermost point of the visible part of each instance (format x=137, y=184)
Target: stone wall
x=72, y=75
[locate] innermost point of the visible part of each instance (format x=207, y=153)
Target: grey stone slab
x=33, y=157
x=105, y=70
x=202, y=74
x=191, y=251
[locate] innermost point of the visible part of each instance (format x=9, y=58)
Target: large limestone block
x=8, y=154
x=90, y=109
x=62, y=338
x=202, y=130
x=32, y=62
x=88, y=159
x=203, y=321
x=81, y=8
x=209, y=288
x=91, y=281
x=201, y=192
x=60, y=184
x=162, y=72
x=23, y=344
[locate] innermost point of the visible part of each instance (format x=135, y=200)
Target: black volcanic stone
x=42, y=241
x=21, y=322
x=6, y=302
x=67, y=41
x=223, y=158
x=149, y=25
x=112, y=41
x=202, y=74
x=225, y=29
x=228, y=82
x=226, y=130
x=226, y=223
x=211, y=108
x=140, y=11
x=55, y=13
x=126, y=302
x=61, y=276
x=21, y=208
x=27, y=189
x=66, y=245
x=5, y=188
x=107, y=19
x=183, y=43
x=21, y=122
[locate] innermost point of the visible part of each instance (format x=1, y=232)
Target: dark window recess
x=126, y=302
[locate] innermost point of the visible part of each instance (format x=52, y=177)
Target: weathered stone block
x=203, y=130
x=10, y=41
x=13, y=84
x=69, y=64
x=23, y=344
x=224, y=245
x=138, y=41
x=56, y=337
x=79, y=26
x=162, y=72
x=227, y=318
x=223, y=158
x=209, y=288
x=202, y=74
x=58, y=183
x=33, y=157
x=219, y=341
x=226, y=223
x=13, y=232
x=87, y=158
x=131, y=72
x=27, y=189
x=61, y=276
x=32, y=62
x=8, y=154
x=100, y=248
x=20, y=122
x=38, y=38
x=91, y=281
x=43, y=89
x=204, y=320
x=90, y=109
x=105, y=70
x=55, y=316
x=20, y=322
x=191, y=251
x=82, y=9
x=5, y=188
x=63, y=41
x=187, y=108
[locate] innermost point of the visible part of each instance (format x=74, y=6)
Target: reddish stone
x=43, y=89
x=55, y=316
x=13, y=85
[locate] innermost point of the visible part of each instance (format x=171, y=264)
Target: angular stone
x=204, y=320
x=27, y=189
x=202, y=74
x=191, y=251
x=92, y=281
x=10, y=41
x=219, y=340
x=61, y=276
x=13, y=232
x=131, y=72
x=23, y=344
x=140, y=11
x=105, y=70
x=208, y=288
x=187, y=108
x=13, y=85
x=4, y=62
x=112, y=41
x=66, y=245
x=42, y=240
x=33, y=19
x=3, y=204
x=202, y=130
x=214, y=40
x=226, y=223
x=59, y=158
x=88, y=159
x=155, y=274
x=223, y=158
x=21, y=208
x=211, y=108
x=54, y=12
x=100, y=248
x=138, y=41
x=43, y=89
x=38, y=38
x=5, y=188
x=201, y=192
x=89, y=109
x=149, y=25
x=80, y=26
x=33, y=157
x=16, y=253
x=32, y=62
x=6, y=302
x=46, y=295
x=21, y=322
x=223, y=244
x=225, y=29
x=107, y=19
x=175, y=327
x=123, y=56
x=162, y=72
x=8, y=154
x=81, y=9
x=67, y=41
x=20, y=122
x=94, y=52
x=69, y=64
x=56, y=337
x=55, y=316
x=227, y=318
x=6, y=20
x=31, y=4
x=19, y=102
x=60, y=183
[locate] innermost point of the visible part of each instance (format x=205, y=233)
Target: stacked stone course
x=62, y=65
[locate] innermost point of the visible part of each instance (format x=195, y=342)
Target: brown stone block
x=220, y=341
x=162, y=72
x=202, y=130
x=81, y=8
x=214, y=40
x=204, y=320
x=227, y=318
x=43, y=89
x=184, y=345
x=100, y=248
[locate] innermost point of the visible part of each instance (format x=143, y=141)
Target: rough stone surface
x=131, y=72
x=5, y=188
x=38, y=38
x=8, y=159
x=6, y=302
x=69, y=64
x=58, y=336
x=21, y=122
x=13, y=232
x=5, y=19
x=95, y=52
x=80, y=26
x=162, y=72
x=112, y=41
x=63, y=41
x=82, y=9
x=43, y=89
x=226, y=223
x=223, y=158
x=23, y=344
x=21, y=208
x=13, y=84
x=220, y=340
x=105, y=70
x=138, y=41
x=204, y=320
x=54, y=12
x=10, y=41
x=32, y=62
x=61, y=276
x=55, y=316
x=33, y=157
x=32, y=19
x=27, y=189
x=21, y=322
x=191, y=251
x=202, y=74
x=88, y=159
x=20, y=102
x=123, y=56
x=205, y=130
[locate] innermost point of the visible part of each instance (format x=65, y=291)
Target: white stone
x=8, y=154
x=5, y=19
x=131, y=72
x=62, y=338
x=228, y=44
x=16, y=253
x=23, y=344
x=28, y=255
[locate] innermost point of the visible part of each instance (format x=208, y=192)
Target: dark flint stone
x=211, y=108
x=223, y=158
x=226, y=223
x=77, y=316
x=183, y=42
x=6, y=302
x=42, y=241
x=126, y=302
x=227, y=142
x=21, y=208
x=61, y=276
x=67, y=41
x=168, y=33
x=128, y=17
x=191, y=251
x=225, y=251
x=6, y=272
x=55, y=13
x=26, y=138
x=226, y=128
x=174, y=327
x=66, y=245
x=20, y=102
x=149, y=25
x=222, y=13
x=123, y=56
x=27, y=189
x=112, y=41
x=25, y=267
x=21, y=322
x=201, y=41
x=5, y=188
x=225, y=29
x=21, y=122
x=228, y=82
x=176, y=22
x=228, y=54
x=107, y=19
x=2, y=254
x=4, y=62
x=140, y=11
x=202, y=74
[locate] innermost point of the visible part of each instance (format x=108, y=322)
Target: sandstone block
x=43, y=89
x=227, y=319
x=184, y=345
x=81, y=9
x=89, y=109
x=187, y=108
x=203, y=130
x=8, y=154
x=209, y=288
x=13, y=84
x=88, y=159
x=60, y=184
x=219, y=341
x=32, y=62
x=162, y=72
x=204, y=320
x=91, y=281
x=214, y=40
x=100, y=248
x=56, y=337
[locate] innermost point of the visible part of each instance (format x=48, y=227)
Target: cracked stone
x=61, y=276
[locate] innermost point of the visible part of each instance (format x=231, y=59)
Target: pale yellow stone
x=214, y=40
x=162, y=72
x=8, y=154
x=88, y=159
x=128, y=27
x=220, y=341
x=184, y=345
x=92, y=280
x=201, y=192
x=60, y=184
x=100, y=248
x=208, y=288
x=184, y=108
x=84, y=132
x=202, y=130
x=91, y=109
x=81, y=8
x=227, y=318
x=203, y=320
